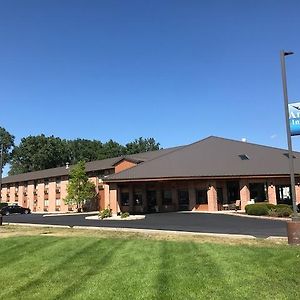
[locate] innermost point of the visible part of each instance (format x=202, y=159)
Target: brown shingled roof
x=212, y=157
x=92, y=166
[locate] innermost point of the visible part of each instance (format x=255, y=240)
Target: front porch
x=194, y=195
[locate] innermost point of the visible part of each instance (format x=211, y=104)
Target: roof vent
x=244, y=157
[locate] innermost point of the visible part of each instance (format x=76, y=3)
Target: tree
x=87, y=150
x=142, y=145
x=7, y=142
x=38, y=153
x=113, y=149
x=79, y=188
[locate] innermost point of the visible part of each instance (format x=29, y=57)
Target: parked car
x=14, y=209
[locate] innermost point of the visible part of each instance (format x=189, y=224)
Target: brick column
x=52, y=196
x=113, y=199
x=272, y=194
x=297, y=193
x=40, y=197
x=63, y=194
x=4, y=192
x=244, y=193
x=30, y=196
x=21, y=197
x=106, y=196
x=12, y=194
x=212, y=197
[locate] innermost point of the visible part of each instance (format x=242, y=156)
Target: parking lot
x=179, y=221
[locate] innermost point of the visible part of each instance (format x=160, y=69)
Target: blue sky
x=177, y=71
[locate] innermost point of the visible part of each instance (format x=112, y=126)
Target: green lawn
x=51, y=267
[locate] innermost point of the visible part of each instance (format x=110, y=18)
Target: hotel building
x=207, y=175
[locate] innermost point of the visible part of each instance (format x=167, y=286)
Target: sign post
x=292, y=119
x=288, y=128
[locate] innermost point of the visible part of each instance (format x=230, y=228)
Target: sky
x=178, y=71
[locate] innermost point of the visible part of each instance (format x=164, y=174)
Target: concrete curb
x=70, y=214
x=37, y=225
x=237, y=214
x=259, y=217
x=118, y=218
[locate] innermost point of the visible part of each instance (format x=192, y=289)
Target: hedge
x=264, y=209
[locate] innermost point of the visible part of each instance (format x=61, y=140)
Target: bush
x=283, y=210
x=105, y=213
x=283, y=206
x=257, y=209
x=263, y=209
x=124, y=215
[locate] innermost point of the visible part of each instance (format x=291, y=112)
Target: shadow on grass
x=35, y=282
x=21, y=249
x=163, y=280
x=79, y=283
x=190, y=272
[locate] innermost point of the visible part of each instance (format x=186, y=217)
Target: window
x=57, y=202
x=46, y=202
x=124, y=198
x=201, y=197
x=166, y=197
x=137, y=197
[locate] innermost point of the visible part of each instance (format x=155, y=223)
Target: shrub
x=283, y=206
x=283, y=210
x=263, y=209
x=268, y=205
x=257, y=209
x=124, y=215
x=105, y=213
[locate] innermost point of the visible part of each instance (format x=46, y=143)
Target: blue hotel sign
x=294, y=117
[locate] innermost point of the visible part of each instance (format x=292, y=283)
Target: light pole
x=288, y=130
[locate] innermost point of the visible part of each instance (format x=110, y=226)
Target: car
x=14, y=209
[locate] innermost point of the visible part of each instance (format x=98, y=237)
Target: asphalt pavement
x=179, y=221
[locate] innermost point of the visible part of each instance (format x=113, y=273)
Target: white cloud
x=273, y=136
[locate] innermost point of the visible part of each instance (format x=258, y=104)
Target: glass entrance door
x=151, y=201
x=183, y=200
x=233, y=191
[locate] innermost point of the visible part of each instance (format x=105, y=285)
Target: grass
x=69, y=264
